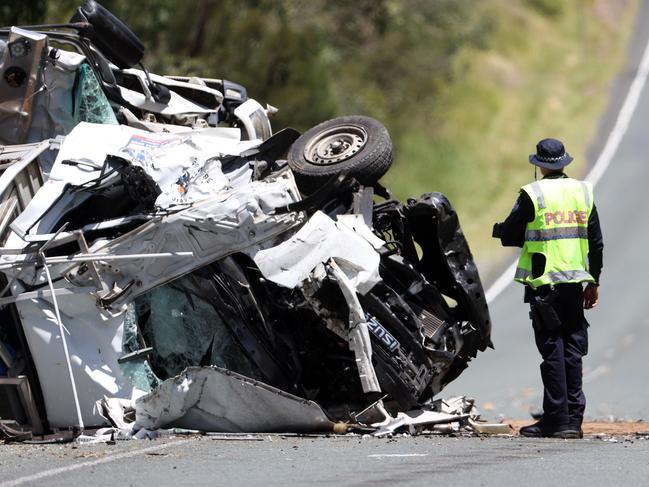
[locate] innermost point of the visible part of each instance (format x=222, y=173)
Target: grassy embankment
x=540, y=76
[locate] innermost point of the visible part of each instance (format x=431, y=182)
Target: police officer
x=555, y=222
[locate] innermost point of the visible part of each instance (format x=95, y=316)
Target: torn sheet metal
x=186, y=166
x=94, y=342
x=319, y=240
x=215, y=399
x=412, y=420
x=356, y=223
x=177, y=105
x=227, y=222
x=359, y=335
x=442, y=416
x=115, y=410
x=211, y=229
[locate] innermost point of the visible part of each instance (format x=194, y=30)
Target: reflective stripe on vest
x=584, y=188
x=557, y=277
x=556, y=233
x=559, y=232
x=540, y=201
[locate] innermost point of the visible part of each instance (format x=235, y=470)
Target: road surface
x=275, y=460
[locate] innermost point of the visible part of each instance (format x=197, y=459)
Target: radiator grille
x=429, y=321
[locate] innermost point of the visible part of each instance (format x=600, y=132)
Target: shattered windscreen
x=182, y=324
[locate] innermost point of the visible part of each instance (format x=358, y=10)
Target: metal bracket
x=359, y=335
x=27, y=400
x=92, y=266
x=363, y=204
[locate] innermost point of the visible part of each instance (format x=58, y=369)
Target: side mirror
x=111, y=36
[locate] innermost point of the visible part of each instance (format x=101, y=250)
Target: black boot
x=577, y=427
x=544, y=430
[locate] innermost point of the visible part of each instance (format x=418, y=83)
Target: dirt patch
x=610, y=12
x=594, y=428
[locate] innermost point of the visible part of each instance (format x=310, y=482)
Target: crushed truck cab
x=162, y=248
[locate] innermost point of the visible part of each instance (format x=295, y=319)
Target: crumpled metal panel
x=447, y=260
x=211, y=229
x=94, y=341
x=215, y=399
x=217, y=221
x=185, y=166
x=226, y=219
x=321, y=239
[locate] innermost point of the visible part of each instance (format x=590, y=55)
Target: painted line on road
x=505, y=279
x=603, y=161
x=91, y=463
x=623, y=120
x=397, y=455
x=596, y=373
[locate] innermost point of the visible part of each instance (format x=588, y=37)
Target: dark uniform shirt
x=512, y=233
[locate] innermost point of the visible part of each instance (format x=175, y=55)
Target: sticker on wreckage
x=141, y=148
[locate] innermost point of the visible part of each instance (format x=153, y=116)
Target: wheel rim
x=335, y=145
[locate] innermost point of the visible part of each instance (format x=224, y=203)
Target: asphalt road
x=507, y=381
x=276, y=460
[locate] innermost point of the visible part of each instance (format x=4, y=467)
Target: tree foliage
x=312, y=58
x=23, y=12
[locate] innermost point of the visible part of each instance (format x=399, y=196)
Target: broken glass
x=91, y=104
x=183, y=325
x=138, y=371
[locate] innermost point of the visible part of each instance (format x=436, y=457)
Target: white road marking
x=623, y=120
x=91, y=463
x=505, y=279
x=603, y=161
x=596, y=373
x=383, y=455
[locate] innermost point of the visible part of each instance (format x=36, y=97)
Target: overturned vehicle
x=163, y=250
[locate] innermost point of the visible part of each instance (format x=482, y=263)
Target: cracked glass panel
x=91, y=102
x=182, y=324
x=138, y=371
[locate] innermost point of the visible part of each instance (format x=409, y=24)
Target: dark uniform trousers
x=562, y=350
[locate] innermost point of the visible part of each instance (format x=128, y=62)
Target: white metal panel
x=319, y=240
x=94, y=343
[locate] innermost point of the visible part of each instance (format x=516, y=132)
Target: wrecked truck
x=162, y=250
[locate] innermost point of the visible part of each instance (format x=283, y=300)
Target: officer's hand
x=591, y=296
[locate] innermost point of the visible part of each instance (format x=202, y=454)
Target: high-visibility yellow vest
x=559, y=231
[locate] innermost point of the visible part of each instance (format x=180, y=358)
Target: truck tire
x=354, y=145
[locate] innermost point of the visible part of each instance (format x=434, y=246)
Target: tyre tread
x=367, y=166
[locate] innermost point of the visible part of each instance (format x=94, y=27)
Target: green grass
x=539, y=76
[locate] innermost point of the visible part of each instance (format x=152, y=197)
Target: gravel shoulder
x=600, y=428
